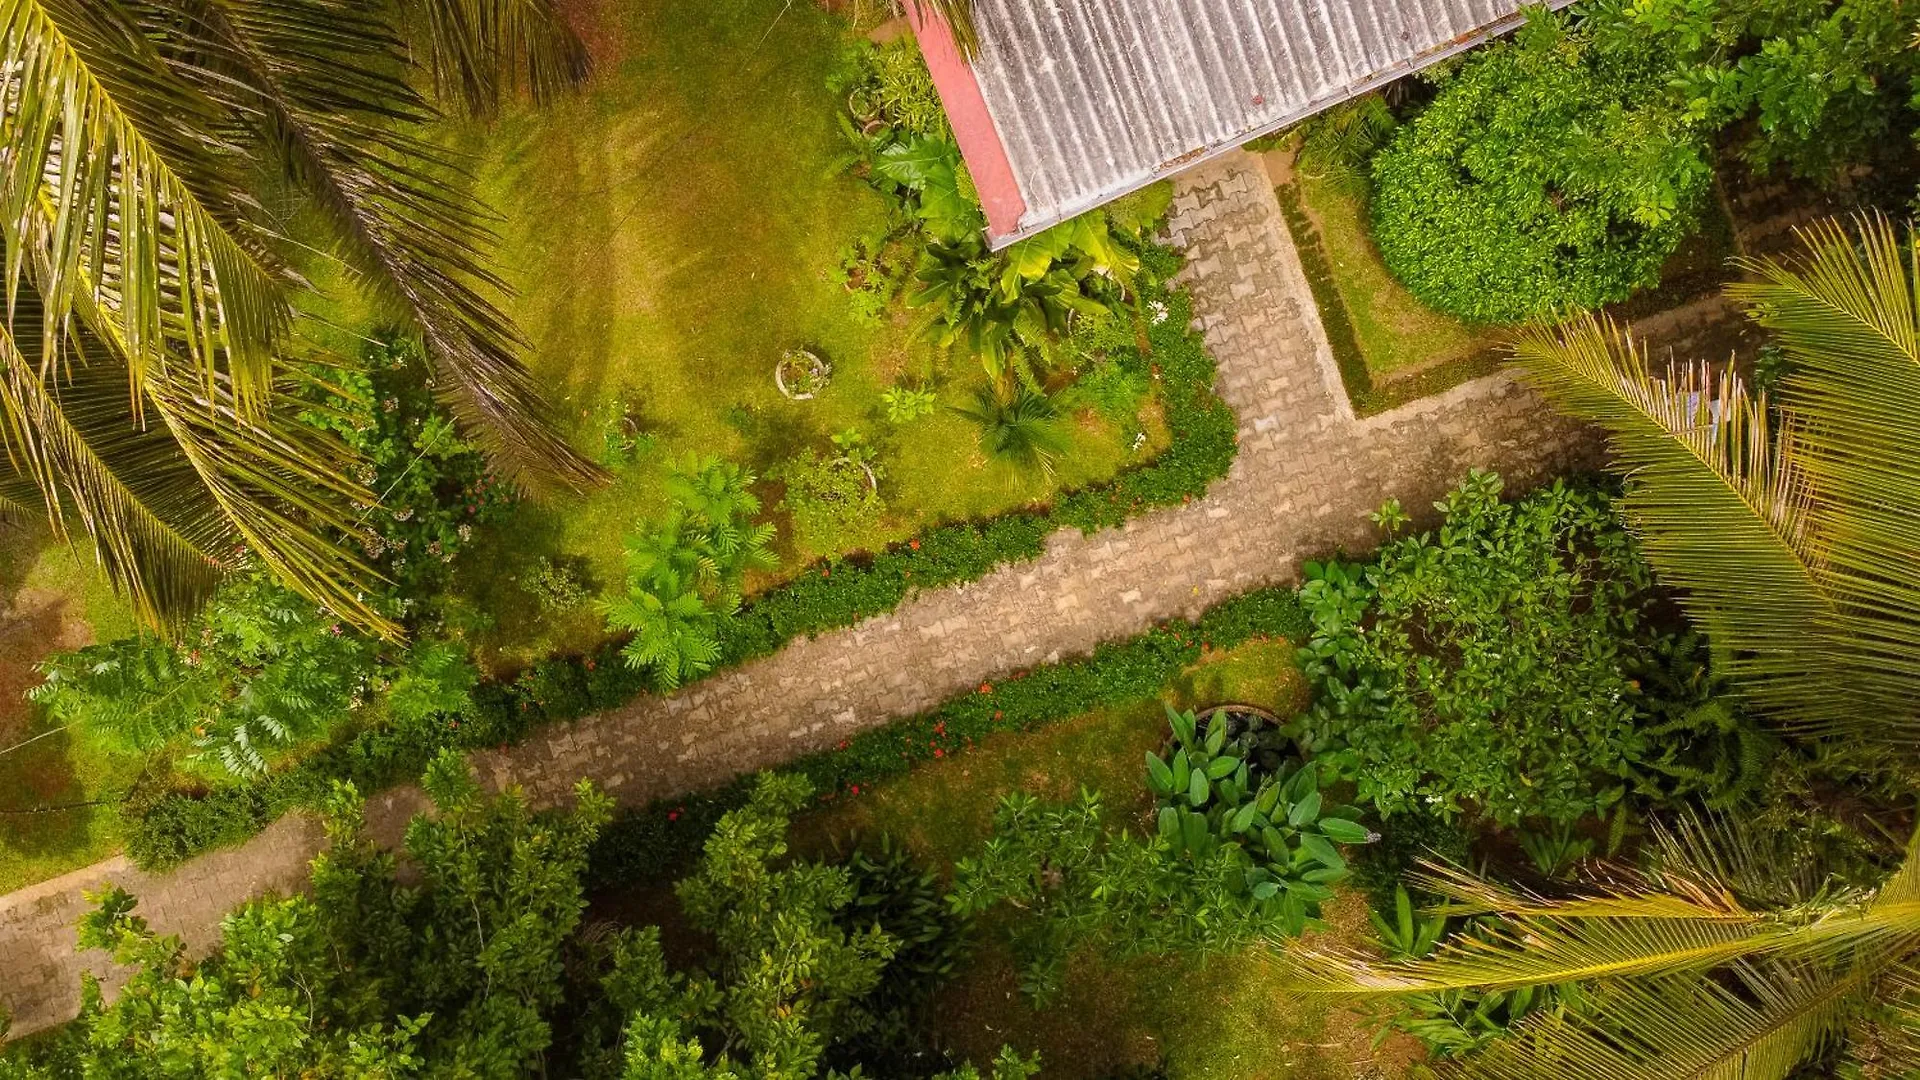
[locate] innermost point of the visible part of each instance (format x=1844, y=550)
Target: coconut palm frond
x=114, y=192
x=284, y=488
x=1845, y=311
x=1719, y=500
x=481, y=52
x=1685, y=1027
x=1614, y=933
x=75, y=444
x=320, y=78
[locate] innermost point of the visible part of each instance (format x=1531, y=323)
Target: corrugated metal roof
x=1094, y=98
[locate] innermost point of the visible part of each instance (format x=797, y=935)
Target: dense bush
x=433, y=485
x=1484, y=666
x=472, y=966
x=1539, y=180
x=1245, y=847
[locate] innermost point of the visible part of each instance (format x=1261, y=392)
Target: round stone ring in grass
x=801, y=374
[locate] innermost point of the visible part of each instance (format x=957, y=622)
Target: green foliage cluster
x=1816, y=86
x=1020, y=427
x=1235, y=785
x=260, y=672
x=1544, y=177
x=433, y=485
x=1484, y=667
x=456, y=975
x=684, y=572
x=1239, y=853
x=471, y=966
x=832, y=497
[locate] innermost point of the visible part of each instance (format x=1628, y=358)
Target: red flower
x=589, y=663
x=673, y=815
x=940, y=728
x=914, y=544
x=826, y=572
x=937, y=752
x=855, y=789
x=986, y=688
x=999, y=714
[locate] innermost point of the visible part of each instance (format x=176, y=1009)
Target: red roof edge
x=972, y=125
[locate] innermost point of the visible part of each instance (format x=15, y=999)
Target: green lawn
x=1396, y=334
x=1229, y=1018
x=51, y=597
x=671, y=231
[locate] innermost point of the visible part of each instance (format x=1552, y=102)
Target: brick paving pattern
x=1306, y=476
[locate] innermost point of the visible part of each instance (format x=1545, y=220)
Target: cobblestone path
x=1307, y=475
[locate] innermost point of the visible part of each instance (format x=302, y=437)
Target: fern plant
x=685, y=572
x=265, y=671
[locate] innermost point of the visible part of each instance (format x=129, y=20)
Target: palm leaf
x=1611, y=933
x=1683, y=1028
x=113, y=191
x=75, y=444
x=1719, y=501
x=318, y=77
x=480, y=52
x=1846, y=313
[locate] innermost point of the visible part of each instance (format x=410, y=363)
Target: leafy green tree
x=1020, y=426
x=1544, y=177
x=154, y=152
x=1818, y=86
x=455, y=975
x=684, y=573
x=792, y=974
x=1485, y=666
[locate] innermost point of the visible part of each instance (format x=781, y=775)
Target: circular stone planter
x=801, y=373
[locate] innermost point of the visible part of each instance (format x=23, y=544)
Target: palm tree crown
x=151, y=329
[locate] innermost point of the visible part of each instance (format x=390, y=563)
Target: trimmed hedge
x=166, y=829
x=657, y=841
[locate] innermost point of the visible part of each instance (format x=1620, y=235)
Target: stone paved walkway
x=1307, y=475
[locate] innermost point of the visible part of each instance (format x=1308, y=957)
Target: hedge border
x=167, y=828
x=1368, y=396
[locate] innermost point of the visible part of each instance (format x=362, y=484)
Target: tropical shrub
x=1237, y=783
x=559, y=582
x=833, y=499
x=1483, y=666
x=1020, y=427
x=906, y=404
x=1114, y=387
x=1077, y=881
x=1540, y=180
x=259, y=672
x=684, y=572
x=433, y=485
